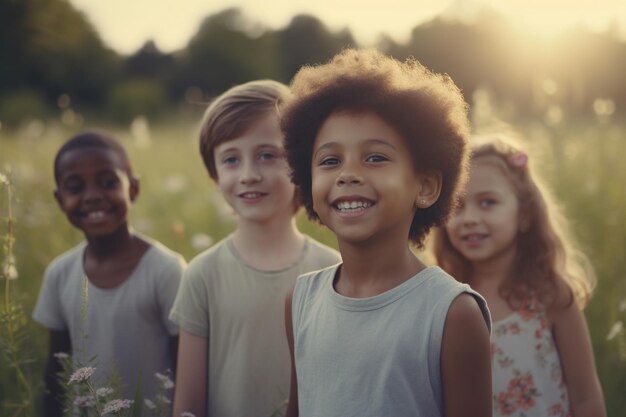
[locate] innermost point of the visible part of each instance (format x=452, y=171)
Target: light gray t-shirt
x=241, y=309
x=125, y=327
x=376, y=356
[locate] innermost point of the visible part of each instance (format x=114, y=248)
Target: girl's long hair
x=546, y=249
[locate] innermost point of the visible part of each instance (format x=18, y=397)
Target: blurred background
x=550, y=72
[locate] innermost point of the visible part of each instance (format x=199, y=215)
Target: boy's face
x=94, y=190
x=253, y=175
x=364, y=185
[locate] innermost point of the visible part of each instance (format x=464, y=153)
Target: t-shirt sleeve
x=48, y=311
x=190, y=309
x=168, y=288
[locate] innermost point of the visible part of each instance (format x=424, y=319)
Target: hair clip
x=519, y=159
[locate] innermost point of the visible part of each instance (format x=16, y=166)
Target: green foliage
x=14, y=324
x=178, y=205
x=139, y=97
x=21, y=105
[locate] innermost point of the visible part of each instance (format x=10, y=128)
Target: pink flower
x=82, y=374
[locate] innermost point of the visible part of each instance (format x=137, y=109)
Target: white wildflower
x=82, y=374
x=163, y=399
x=175, y=183
x=115, y=406
x=8, y=268
x=201, y=241
x=104, y=391
x=151, y=405
x=165, y=380
x=85, y=401
x=3, y=179
x=615, y=330
x=61, y=355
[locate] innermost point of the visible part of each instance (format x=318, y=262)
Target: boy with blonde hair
x=233, y=357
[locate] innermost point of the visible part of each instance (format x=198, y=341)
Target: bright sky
x=126, y=25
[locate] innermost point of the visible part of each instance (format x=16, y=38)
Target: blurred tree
x=228, y=49
x=49, y=46
x=306, y=40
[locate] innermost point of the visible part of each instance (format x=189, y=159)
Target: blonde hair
x=546, y=249
x=234, y=112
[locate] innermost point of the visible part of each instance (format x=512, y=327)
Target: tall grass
x=178, y=205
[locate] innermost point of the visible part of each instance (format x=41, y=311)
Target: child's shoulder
x=325, y=254
x=212, y=257
x=313, y=280
x=161, y=253
x=68, y=259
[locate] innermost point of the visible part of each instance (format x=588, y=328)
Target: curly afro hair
x=427, y=109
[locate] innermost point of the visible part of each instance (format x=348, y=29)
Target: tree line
x=50, y=54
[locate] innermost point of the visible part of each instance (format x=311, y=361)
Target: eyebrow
x=372, y=141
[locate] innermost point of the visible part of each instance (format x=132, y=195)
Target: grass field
x=583, y=162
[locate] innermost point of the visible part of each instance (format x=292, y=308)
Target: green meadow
x=584, y=162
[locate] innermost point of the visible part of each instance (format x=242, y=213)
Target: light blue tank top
x=376, y=356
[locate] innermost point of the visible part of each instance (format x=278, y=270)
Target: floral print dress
x=526, y=370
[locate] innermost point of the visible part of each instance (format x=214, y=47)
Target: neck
x=491, y=273
x=251, y=237
x=105, y=246
x=369, y=269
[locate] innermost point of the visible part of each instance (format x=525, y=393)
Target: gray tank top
x=376, y=356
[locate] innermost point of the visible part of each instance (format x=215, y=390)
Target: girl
x=508, y=241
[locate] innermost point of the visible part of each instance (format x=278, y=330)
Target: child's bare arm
x=466, y=361
x=292, y=407
x=191, y=375
x=579, y=370
x=59, y=341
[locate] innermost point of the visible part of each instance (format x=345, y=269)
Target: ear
x=133, y=188
x=57, y=197
x=428, y=190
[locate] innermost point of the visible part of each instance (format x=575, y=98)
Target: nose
x=93, y=193
x=350, y=175
x=250, y=173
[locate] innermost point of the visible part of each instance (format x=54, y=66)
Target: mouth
x=352, y=205
x=94, y=215
x=252, y=195
x=474, y=237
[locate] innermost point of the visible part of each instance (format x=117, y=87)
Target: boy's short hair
x=92, y=139
x=427, y=109
x=234, y=112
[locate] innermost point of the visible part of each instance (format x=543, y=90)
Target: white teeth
x=95, y=215
x=353, y=205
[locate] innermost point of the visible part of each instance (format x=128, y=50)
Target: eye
x=230, y=160
x=376, y=158
x=109, y=182
x=267, y=156
x=330, y=161
x=488, y=202
x=73, y=187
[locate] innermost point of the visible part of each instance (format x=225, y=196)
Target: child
x=108, y=297
x=377, y=148
x=508, y=242
x=233, y=357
